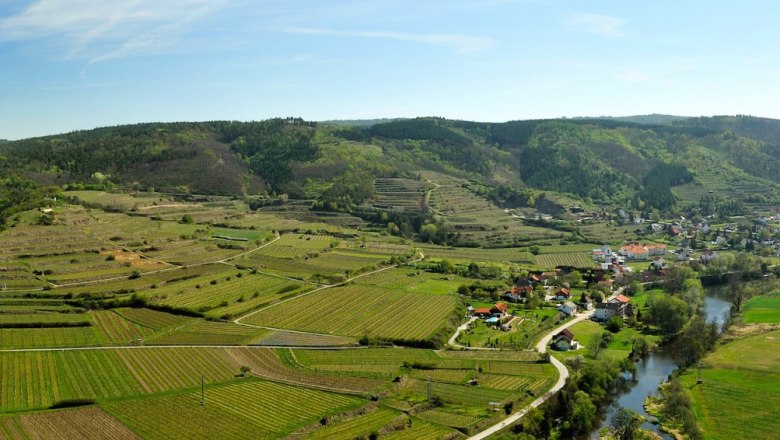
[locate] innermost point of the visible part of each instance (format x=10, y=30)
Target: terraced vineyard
x=477, y=220
x=400, y=194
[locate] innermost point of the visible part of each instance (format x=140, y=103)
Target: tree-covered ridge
x=609, y=162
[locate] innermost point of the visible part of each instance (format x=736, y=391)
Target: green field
x=248, y=409
x=740, y=391
x=762, y=309
x=359, y=310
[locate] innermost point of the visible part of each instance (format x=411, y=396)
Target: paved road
x=563, y=374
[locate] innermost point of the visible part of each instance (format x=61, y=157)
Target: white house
x=564, y=341
x=709, y=256
x=569, y=308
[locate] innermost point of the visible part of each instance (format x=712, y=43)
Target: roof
x=608, y=305
x=500, y=306
x=622, y=298
x=566, y=332
x=570, y=305
x=482, y=311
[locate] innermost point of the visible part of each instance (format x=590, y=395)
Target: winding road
x=563, y=374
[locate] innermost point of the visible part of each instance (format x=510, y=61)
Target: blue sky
x=80, y=64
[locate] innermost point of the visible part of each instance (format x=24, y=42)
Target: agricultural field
x=89, y=422
x=247, y=409
x=477, y=220
x=356, y=310
x=400, y=194
x=579, y=260
x=230, y=292
x=762, y=309
x=201, y=332
x=740, y=390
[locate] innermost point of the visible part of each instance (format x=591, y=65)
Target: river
x=655, y=369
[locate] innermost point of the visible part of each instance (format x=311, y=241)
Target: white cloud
x=605, y=25
x=98, y=30
x=463, y=43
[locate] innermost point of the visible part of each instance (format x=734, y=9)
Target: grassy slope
x=740, y=393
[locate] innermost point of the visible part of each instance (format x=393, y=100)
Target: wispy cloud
x=98, y=30
x=462, y=43
x=605, y=25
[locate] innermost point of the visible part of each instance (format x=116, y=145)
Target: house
x=602, y=254
x=518, y=293
x=658, y=263
x=656, y=249
x=606, y=310
x=656, y=227
x=568, y=308
x=635, y=251
x=499, y=310
x=564, y=341
x=719, y=240
x=613, y=307
x=605, y=284
x=708, y=256
x=684, y=254
x=586, y=304
x=483, y=312
x=562, y=293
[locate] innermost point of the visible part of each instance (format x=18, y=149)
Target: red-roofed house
x=562, y=293
x=483, y=312
x=499, y=310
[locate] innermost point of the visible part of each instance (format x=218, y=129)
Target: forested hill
x=637, y=163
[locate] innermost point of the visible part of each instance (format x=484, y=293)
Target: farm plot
x=162, y=369
x=294, y=339
x=362, y=425
x=48, y=337
x=151, y=318
x=25, y=241
x=356, y=310
x=267, y=363
x=740, y=390
x=568, y=259
x=417, y=391
x=475, y=254
x=81, y=423
x=117, y=330
x=165, y=278
x=49, y=319
x=38, y=379
x=115, y=201
x=185, y=252
x=16, y=276
x=248, y=410
x=296, y=245
x=371, y=362
x=400, y=194
x=763, y=309
x=448, y=418
x=233, y=293
x=202, y=332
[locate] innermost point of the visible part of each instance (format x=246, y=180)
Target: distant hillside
x=640, y=163
x=653, y=119
x=359, y=122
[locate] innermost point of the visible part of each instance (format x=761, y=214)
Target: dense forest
x=642, y=163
